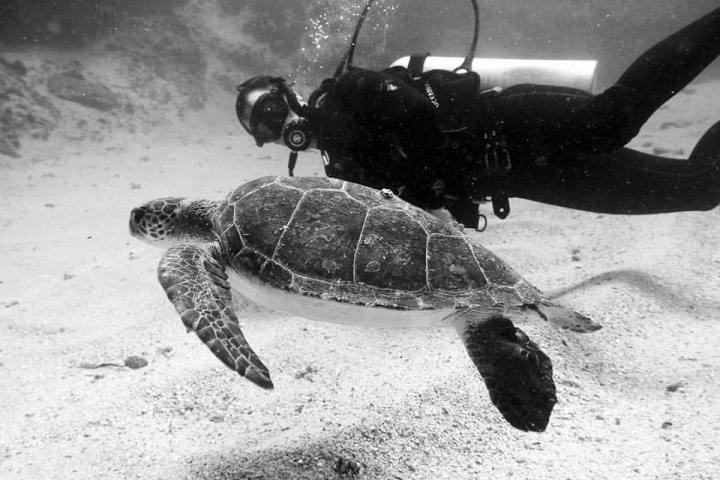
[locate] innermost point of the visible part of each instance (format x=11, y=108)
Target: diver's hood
x=262, y=109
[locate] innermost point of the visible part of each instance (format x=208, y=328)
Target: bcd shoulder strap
x=416, y=64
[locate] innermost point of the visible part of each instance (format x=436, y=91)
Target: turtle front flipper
x=197, y=286
x=517, y=374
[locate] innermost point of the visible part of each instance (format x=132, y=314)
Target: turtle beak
x=136, y=220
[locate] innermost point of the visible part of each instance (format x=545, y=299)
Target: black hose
x=467, y=63
x=347, y=59
x=291, y=98
x=346, y=62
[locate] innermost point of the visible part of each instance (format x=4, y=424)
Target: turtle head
x=173, y=220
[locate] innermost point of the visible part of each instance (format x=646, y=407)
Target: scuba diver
x=441, y=142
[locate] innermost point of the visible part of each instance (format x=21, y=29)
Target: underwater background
x=106, y=104
x=194, y=50
x=262, y=33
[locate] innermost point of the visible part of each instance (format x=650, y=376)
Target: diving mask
x=262, y=109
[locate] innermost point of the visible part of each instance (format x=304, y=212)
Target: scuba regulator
x=297, y=136
x=265, y=106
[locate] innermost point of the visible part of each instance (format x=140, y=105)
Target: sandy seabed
x=637, y=399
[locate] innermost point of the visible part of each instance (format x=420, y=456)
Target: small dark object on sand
x=135, y=362
x=674, y=387
x=344, y=466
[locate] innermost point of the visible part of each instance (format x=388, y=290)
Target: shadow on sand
x=324, y=459
x=649, y=285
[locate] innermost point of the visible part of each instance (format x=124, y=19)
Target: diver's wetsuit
x=434, y=138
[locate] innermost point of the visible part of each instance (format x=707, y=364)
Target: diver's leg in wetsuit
x=627, y=181
x=601, y=176
x=611, y=119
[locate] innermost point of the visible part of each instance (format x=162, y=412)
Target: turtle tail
x=563, y=317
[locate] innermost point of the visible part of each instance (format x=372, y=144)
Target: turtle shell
x=342, y=241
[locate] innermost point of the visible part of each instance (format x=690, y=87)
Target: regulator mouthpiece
x=298, y=135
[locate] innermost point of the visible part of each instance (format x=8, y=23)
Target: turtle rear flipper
x=517, y=374
x=197, y=286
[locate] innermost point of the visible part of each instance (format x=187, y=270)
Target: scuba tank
x=494, y=73
x=505, y=72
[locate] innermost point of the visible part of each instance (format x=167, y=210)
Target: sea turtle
x=336, y=251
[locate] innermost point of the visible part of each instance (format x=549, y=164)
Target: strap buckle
x=501, y=204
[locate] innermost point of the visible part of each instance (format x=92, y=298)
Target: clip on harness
x=497, y=163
